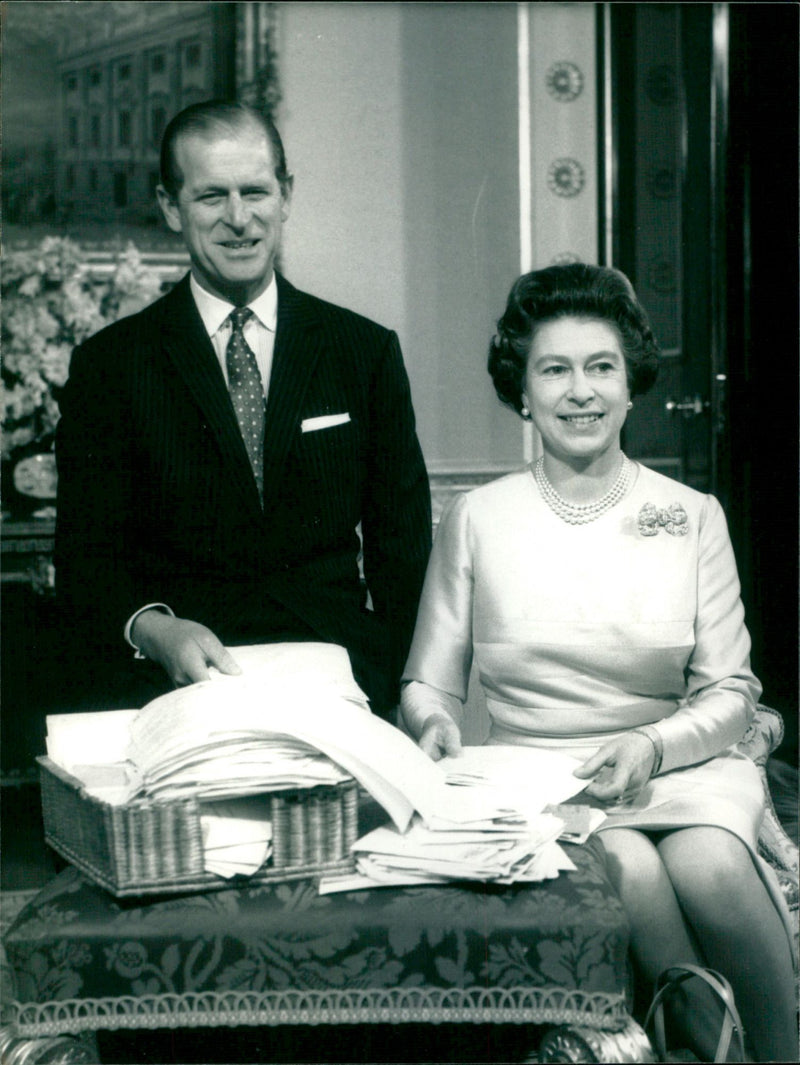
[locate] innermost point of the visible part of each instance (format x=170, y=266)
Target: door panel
x=735, y=70
x=659, y=126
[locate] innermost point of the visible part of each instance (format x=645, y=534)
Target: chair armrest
x=764, y=735
x=762, y=738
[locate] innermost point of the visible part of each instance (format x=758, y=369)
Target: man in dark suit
x=229, y=455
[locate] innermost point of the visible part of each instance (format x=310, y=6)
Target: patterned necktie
x=247, y=393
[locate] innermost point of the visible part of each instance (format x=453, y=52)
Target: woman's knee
x=709, y=863
x=633, y=860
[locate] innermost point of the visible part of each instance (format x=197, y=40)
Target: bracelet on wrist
x=658, y=746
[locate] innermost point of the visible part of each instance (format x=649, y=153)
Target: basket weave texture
x=148, y=848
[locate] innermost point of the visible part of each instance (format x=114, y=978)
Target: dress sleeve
x=420, y=701
x=441, y=650
x=721, y=689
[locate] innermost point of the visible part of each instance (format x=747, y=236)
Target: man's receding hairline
x=209, y=131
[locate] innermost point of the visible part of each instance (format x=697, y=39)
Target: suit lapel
x=298, y=345
x=187, y=346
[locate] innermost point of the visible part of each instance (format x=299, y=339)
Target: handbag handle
x=668, y=981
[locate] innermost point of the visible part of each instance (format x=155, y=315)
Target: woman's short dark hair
x=223, y=117
x=582, y=291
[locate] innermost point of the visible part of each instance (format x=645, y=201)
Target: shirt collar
x=214, y=310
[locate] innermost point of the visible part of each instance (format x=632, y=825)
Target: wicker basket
x=148, y=848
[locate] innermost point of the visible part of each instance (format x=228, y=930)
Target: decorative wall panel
x=564, y=153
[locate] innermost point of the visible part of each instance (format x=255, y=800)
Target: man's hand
x=439, y=737
x=621, y=768
x=184, y=648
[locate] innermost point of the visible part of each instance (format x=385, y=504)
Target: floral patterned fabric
x=764, y=736
x=281, y=953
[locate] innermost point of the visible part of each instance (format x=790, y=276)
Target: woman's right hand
x=620, y=769
x=439, y=737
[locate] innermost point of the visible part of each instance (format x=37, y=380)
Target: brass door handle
x=689, y=406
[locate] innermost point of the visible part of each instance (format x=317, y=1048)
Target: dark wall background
x=762, y=287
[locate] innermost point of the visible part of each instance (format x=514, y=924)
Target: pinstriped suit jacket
x=157, y=502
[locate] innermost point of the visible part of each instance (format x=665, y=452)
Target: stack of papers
x=295, y=718
x=93, y=748
x=297, y=715
x=237, y=836
x=240, y=766
x=232, y=735
x=494, y=822
x=505, y=856
x=579, y=821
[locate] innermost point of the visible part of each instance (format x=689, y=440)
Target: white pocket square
x=324, y=421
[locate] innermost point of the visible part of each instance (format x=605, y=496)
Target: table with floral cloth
x=552, y=953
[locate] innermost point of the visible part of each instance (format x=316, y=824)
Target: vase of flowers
x=52, y=299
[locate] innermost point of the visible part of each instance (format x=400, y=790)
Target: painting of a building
x=120, y=81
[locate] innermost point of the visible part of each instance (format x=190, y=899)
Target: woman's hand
x=621, y=768
x=440, y=737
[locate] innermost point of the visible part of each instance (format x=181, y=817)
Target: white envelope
x=324, y=421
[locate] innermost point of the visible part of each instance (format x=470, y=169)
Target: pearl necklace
x=582, y=513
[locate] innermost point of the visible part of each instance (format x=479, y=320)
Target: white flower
x=54, y=363
x=51, y=302
x=81, y=309
x=31, y=286
x=19, y=402
x=16, y=438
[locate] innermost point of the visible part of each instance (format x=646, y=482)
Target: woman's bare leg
x=740, y=930
x=660, y=936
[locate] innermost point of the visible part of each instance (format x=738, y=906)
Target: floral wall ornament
x=673, y=519
x=51, y=301
x=564, y=81
x=566, y=177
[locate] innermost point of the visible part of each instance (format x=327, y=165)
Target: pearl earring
x=630, y=404
x=525, y=412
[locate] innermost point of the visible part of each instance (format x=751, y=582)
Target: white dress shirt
x=259, y=332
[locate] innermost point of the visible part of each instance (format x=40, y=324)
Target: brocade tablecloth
x=553, y=952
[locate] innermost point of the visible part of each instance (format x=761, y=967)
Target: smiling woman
x=572, y=348
x=600, y=603
x=576, y=390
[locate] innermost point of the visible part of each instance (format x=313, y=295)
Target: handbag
x=668, y=981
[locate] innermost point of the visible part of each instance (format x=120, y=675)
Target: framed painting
x=87, y=90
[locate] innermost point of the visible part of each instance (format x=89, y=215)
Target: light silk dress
x=582, y=632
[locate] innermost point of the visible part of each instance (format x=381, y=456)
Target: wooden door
x=659, y=199
x=701, y=210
